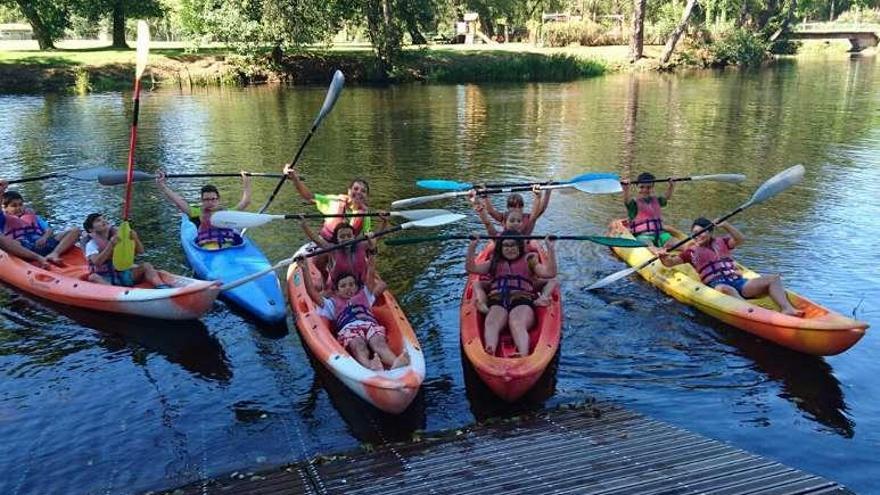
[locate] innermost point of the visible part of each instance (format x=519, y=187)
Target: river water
x=91, y=403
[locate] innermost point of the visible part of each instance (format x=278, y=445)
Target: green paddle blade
x=123, y=252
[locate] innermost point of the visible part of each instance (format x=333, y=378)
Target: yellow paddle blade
x=123, y=252
x=143, y=47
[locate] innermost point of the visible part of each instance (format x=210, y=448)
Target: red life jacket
x=527, y=224
x=23, y=227
x=330, y=223
x=352, y=261
x=208, y=233
x=649, y=219
x=512, y=276
x=714, y=261
x=356, y=308
x=104, y=269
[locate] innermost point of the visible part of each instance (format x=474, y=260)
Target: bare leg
x=361, y=353
x=521, y=320
x=97, y=279
x=379, y=344
x=496, y=320
x=65, y=242
x=151, y=275
x=771, y=285
x=480, y=297
x=728, y=290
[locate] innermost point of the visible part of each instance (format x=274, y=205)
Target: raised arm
x=304, y=224
x=471, y=264
x=307, y=281
x=176, y=199
x=670, y=188
x=301, y=188
x=246, y=191
x=540, y=205
x=548, y=268
x=736, y=236
x=490, y=208
x=484, y=217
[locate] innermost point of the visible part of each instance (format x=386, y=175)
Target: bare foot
x=375, y=364
x=482, y=307
x=55, y=260
x=542, y=300
x=401, y=360
x=793, y=312
x=490, y=351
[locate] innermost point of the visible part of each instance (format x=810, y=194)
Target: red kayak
x=507, y=375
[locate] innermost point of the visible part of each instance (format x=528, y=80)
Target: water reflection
x=484, y=404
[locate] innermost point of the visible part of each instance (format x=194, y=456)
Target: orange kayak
x=507, y=375
x=821, y=332
x=390, y=390
x=187, y=299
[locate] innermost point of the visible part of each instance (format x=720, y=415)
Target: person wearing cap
x=644, y=211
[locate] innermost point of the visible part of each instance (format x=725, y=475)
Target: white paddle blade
x=404, y=203
x=599, y=186
x=419, y=214
x=143, y=47
x=610, y=279
x=778, y=183
x=117, y=177
x=435, y=221
x=732, y=178
x=231, y=219
x=332, y=95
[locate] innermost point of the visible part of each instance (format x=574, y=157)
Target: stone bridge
x=860, y=37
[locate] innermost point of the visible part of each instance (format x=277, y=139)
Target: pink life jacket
x=105, y=269
x=527, y=226
x=714, y=261
x=23, y=227
x=512, y=276
x=208, y=233
x=649, y=219
x=357, y=308
x=330, y=223
x=353, y=261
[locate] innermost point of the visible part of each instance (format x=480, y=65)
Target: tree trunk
x=118, y=17
x=792, y=6
x=679, y=30
x=637, y=41
x=41, y=32
x=383, y=35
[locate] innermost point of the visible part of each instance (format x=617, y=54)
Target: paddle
x=244, y=220
x=434, y=221
x=605, y=241
x=768, y=189
x=116, y=177
x=451, y=185
x=733, y=178
x=123, y=252
x=598, y=185
x=87, y=174
x=329, y=100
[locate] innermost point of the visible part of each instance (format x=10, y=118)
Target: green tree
x=118, y=11
x=48, y=18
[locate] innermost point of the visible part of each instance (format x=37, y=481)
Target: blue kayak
x=261, y=298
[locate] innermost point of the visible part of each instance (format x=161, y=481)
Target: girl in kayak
x=353, y=259
x=354, y=201
x=645, y=217
x=357, y=329
x=710, y=256
x=31, y=230
x=209, y=236
x=513, y=273
x=515, y=202
x=99, y=242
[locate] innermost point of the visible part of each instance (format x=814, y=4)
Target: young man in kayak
x=710, y=256
x=353, y=259
x=513, y=273
x=98, y=249
x=644, y=211
x=357, y=329
x=31, y=230
x=353, y=201
x=209, y=236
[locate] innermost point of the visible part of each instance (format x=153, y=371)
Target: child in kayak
x=98, y=249
x=710, y=257
x=357, y=329
x=644, y=212
x=515, y=202
x=353, y=259
x=31, y=230
x=353, y=201
x=209, y=236
x=513, y=273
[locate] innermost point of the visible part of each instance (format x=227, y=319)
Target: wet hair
x=497, y=254
x=209, y=188
x=90, y=221
x=515, y=201
x=362, y=181
x=342, y=276
x=704, y=223
x=645, y=178
x=340, y=226
x=10, y=196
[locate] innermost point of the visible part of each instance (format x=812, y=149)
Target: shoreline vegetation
x=78, y=69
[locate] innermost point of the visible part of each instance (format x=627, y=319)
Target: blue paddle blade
x=444, y=185
x=593, y=176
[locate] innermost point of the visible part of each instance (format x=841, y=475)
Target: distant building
x=16, y=32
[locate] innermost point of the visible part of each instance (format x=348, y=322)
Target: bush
x=585, y=33
x=739, y=47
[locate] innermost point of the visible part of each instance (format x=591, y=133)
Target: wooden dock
x=597, y=448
